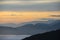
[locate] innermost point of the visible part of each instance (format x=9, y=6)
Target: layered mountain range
x=30, y=28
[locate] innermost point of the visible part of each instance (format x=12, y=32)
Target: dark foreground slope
x=53, y=35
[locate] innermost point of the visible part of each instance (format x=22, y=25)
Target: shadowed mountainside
x=52, y=35
x=7, y=30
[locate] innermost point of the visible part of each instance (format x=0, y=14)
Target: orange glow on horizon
x=18, y=17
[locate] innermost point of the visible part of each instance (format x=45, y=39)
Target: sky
x=26, y=1
x=20, y=17
x=18, y=11
x=29, y=5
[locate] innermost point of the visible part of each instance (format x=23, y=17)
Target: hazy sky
x=31, y=5
x=29, y=0
x=26, y=1
x=19, y=17
x=18, y=11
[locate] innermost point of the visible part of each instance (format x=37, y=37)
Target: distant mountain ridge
x=30, y=28
x=31, y=22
